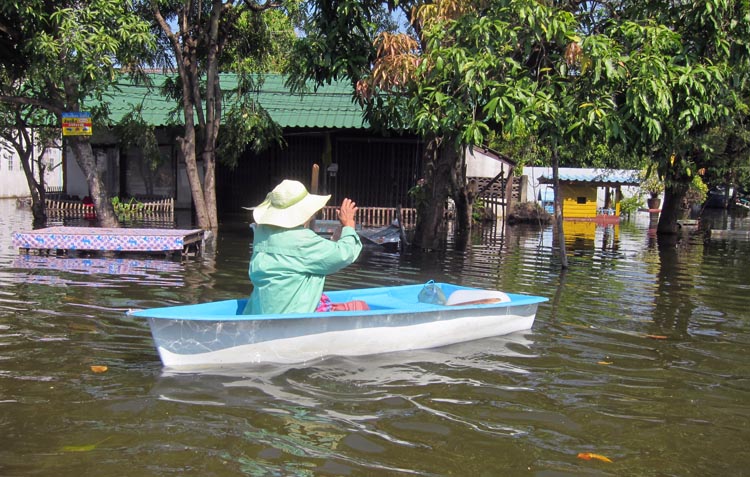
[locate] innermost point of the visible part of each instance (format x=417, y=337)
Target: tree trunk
x=22, y=141
x=558, y=208
x=84, y=155
x=209, y=190
x=213, y=115
x=187, y=148
x=203, y=189
x=38, y=198
x=463, y=197
x=671, y=208
x=36, y=187
x=431, y=210
x=464, y=210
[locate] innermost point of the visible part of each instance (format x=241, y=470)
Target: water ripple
x=640, y=355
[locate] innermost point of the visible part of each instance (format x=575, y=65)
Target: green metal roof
x=330, y=107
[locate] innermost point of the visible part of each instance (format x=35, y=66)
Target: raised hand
x=347, y=212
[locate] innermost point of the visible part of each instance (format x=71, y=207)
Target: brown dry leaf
x=657, y=337
x=99, y=369
x=591, y=455
x=82, y=327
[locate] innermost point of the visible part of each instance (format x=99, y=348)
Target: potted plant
x=695, y=196
x=652, y=185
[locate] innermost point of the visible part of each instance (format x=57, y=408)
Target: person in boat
x=290, y=262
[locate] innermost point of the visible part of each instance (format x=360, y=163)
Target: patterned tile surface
x=114, y=239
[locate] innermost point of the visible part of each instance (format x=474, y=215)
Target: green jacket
x=288, y=267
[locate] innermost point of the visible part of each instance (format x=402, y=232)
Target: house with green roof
x=324, y=127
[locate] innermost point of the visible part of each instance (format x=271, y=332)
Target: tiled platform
x=65, y=239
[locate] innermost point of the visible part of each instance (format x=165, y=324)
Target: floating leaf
x=591, y=455
x=605, y=363
x=657, y=337
x=99, y=369
x=84, y=448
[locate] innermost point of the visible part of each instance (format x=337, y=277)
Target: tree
x=69, y=54
x=477, y=71
x=650, y=77
x=268, y=37
x=198, y=36
x=687, y=65
x=23, y=132
x=350, y=39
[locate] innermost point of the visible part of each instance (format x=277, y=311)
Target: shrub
x=629, y=205
x=528, y=212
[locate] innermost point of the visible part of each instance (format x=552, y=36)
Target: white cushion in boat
x=468, y=296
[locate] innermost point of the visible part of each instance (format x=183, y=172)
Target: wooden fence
x=376, y=216
x=157, y=213
x=146, y=207
x=72, y=207
x=149, y=206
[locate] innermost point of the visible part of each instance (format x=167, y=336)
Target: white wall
x=108, y=163
x=76, y=182
x=479, y=164
x=12, y=178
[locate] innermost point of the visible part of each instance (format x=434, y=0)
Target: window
x=49, y=159
x=9, y=157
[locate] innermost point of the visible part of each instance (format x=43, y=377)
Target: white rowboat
x=216, y=334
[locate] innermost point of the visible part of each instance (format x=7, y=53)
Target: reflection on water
x=37, y=268
x=641, y=355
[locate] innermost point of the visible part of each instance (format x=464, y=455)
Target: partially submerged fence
x=157, y=213
x=165, y=205
x=376, y=216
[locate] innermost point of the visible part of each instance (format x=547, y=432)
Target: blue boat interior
x=400, y=299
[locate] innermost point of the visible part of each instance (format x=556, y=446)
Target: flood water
x=641, y=356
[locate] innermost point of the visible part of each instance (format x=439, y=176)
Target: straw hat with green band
x=288, y=205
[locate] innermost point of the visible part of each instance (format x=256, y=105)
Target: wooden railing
x=375, y=216
x=158, y=206
x=150, y=206
x=73, y=206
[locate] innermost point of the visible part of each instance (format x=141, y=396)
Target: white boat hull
x=175, y=337
x=197, y=340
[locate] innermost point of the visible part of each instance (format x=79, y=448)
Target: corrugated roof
x=331, y=106
x=596, y=176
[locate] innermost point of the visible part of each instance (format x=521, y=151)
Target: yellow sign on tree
x=76, y=124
